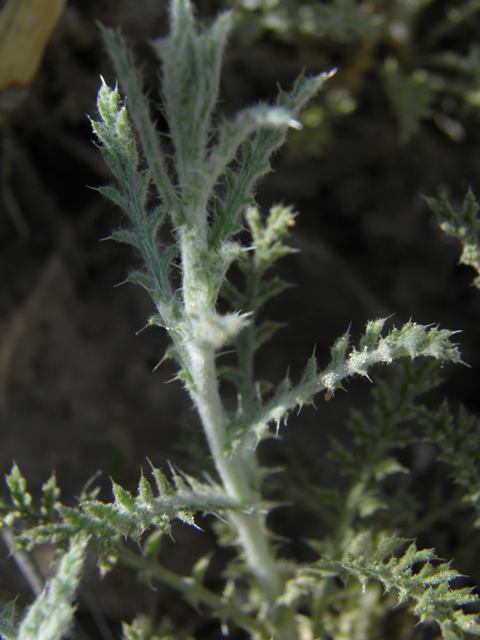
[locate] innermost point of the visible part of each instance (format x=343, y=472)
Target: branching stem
x=195, y=592
x=233, y=470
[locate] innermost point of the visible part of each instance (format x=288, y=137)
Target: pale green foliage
x=126, y=516
x=411, y=340
x=411, y=97
x=21, y=508
x=7, y=617
x=459, y=439
x=371, y=559
x=392, y=423
x=404, y=43
x=340, y=19
x=201, y=192
x=201, y=178
x=367, y=557
x=267, y=247
x=51, y=614
x=360, y=522
x=398, y=420
x=462, y=224
x=140, y=629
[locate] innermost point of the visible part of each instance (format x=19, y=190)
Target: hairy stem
x=234, y=470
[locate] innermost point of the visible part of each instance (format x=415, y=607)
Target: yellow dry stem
x=25, y=29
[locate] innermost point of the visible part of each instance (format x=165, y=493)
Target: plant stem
x=194, y=591
x=234, y=470
x=250, y=526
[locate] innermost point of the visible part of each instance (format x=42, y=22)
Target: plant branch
x=412, y=340
x=194, y=592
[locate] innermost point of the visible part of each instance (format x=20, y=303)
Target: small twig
x=24, y=562
x=195, y=592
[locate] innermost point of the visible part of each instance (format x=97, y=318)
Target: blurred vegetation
x=422, y=57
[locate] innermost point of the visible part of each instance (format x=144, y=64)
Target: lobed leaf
x=19, y=495
x=52, y=612
x=464, y=225
x=412, y=340
x=131, y=80
x=429, y=589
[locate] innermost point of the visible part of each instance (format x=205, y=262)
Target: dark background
x=77, y=392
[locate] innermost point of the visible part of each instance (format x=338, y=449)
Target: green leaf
x=265, y=331
x=269, y=289
x=411, y=96
x=52, y=612
x=387, y=467
x=7, y=617
x=50, y=498
x=140, y=629
x=145, y=492
x=435, y=600
x=19, y=494
x=464, y=225
x=372, y=334
x=131, y=80
x=115, y=196
x=200, y=568
x=459, y=441
x=145, y=280
x=123, y=498
x=412, y=340
x=128, y=237
x=339, y=350
x=191, y=76
x=163, y=486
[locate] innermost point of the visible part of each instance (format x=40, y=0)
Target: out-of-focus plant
x=422, y=55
